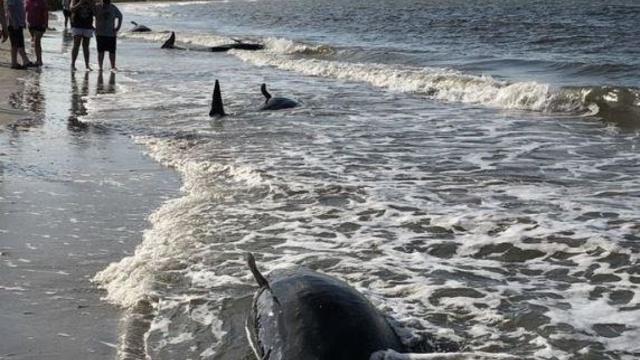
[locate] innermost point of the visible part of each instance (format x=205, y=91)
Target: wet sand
x=73, y=198
x=10, y=85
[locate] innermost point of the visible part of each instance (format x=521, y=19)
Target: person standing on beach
x=107, y=31
x=66, y=11
x=82, y=12
x=38, y=20
x=4, y=32
x=17, y=23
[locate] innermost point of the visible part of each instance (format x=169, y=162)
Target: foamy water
x=481, y=214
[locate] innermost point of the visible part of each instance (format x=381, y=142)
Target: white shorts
x=82, y=32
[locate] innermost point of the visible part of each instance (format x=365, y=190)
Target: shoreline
x=74, y=197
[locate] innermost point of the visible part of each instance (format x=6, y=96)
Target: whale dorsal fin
x=134, y=23
x=262, y=282
x=216, y=103
x=170, y=43
x=266, y=94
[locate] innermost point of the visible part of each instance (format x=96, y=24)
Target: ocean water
x=472, y=167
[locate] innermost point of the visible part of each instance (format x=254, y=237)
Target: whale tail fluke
x=170, y=43
x=262, y=282
x=263, y=89
x=217, y=109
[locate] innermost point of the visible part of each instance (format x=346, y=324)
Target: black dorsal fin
x=262, y=282
x=134, y=23
x=266, y=94
x=170, y=43
x=216, y=103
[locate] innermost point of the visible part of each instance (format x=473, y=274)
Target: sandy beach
x=73, y=198
x=464, y=167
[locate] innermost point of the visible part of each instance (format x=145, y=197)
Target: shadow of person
x=27, y=104
x=111, y=85
x=77, y=108
x=67, y=40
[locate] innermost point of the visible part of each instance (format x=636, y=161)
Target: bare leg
x=100, y=59
x=14, y=55
x=23, y=55
x=85, y=51
x=112, y=58
x=37, y=38
x=74, y=51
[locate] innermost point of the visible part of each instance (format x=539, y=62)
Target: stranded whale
x=271, y=103
x=300, y=314
x=275, y=103
x=139, y=28
x=238, y=44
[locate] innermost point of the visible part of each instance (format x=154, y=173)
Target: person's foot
x=73, y=68
x=100, y=69
x=39, y=64
x=30, y=64
x=89, y=68
x=114, y=69
x=18, y=67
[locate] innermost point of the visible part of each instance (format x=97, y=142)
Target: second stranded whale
x=238, y=44
x=301, y=314
x=271, y=103
x=139, y=28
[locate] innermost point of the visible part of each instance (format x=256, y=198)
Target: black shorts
x=41, y=29
x=106, y=43
x=16, y=36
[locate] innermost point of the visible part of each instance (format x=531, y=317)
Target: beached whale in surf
x=271, y=103
x=238, y=44
x=275, y=103
x=139, y=28
x=300, y=314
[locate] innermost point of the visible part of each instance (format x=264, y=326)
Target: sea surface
x=472, y=167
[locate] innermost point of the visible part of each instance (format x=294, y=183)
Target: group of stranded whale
x=300, y=314
x=217, y=107
x=270, y=103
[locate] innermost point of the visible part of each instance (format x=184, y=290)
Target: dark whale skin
x=306, y=315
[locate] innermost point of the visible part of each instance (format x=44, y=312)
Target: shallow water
x=473, y=170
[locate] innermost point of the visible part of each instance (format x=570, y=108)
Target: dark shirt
x=106, y=16
x=82, y=17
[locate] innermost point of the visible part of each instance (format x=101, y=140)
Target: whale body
x=238, y=44
x=301, y=314
x=139, y=28
x=275, y=103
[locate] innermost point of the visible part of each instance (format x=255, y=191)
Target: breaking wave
x=456, y=86
x=612, y=103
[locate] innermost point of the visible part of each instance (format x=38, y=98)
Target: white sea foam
x=437, y=83
x=165, y=245
x=507, y=235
